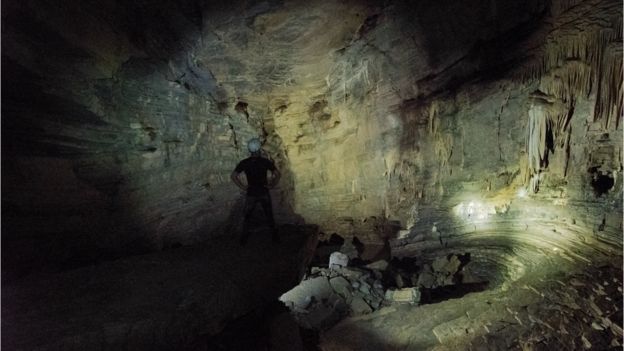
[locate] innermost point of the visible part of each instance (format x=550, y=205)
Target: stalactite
x=536, y=138
x=443, y=143
x=609, y=102
x=582, y=55
x=433, y=117
x=548, y=121
x=443, y=148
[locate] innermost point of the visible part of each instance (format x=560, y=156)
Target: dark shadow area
x=324, y=249
x=600, y=183
x=93, y=91
x=62, y=202
x=160, y=301
x=455, y=291
x=268, y=328
x=405, y=271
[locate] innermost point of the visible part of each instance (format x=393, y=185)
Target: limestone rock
x=427, y=280
x=407, y=295
x=342, y=287
x=338, y=260
x=349, y=250
x=318, y=288
x=351, y=273
x=489, y=126
x=380, y=265
x=359, y=306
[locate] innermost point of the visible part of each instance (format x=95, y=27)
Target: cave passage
x=450, y=175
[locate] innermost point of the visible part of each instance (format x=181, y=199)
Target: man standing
x=257, y=188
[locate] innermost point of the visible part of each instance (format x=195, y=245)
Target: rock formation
x=422, y=129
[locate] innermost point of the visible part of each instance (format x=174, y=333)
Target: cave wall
x=429, y=107
x=122, y=122
x=114, y=140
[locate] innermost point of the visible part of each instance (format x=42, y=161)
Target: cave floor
x=559, y=306
x=164, y=300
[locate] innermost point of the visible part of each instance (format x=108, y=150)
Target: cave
x=451, y=175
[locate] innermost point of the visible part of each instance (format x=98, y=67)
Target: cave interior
x=462, y=159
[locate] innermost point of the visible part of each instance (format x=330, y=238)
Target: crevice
x=234, y=137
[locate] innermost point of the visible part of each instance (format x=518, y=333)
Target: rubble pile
x=327, y=295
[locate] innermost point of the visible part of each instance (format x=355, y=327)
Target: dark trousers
x=250, y=204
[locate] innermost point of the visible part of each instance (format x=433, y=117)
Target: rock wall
x=121, y=122
x=115, y=140
x=431, y=107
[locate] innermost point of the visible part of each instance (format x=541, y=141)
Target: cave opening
x=123, y=124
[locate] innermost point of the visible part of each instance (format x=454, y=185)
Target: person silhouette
x=257, y=188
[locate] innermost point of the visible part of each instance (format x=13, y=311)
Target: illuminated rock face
x=405, y=130
x=123, y=122
x=492, y=128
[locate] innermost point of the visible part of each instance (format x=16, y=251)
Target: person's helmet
x=253, y=145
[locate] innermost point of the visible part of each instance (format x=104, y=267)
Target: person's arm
x=237, y=181
x=275, y=177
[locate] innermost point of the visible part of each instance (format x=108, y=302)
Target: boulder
x=407, y=295
x=338, y=260
x=301, y=296
x=364, y=287
x=342, y=287
x=359, y=306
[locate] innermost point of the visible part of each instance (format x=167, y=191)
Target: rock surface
x=547, y=307
x=378, y=133
x=163, y=301
x=421, y=129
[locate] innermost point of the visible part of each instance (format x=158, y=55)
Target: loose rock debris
x=351, y=288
